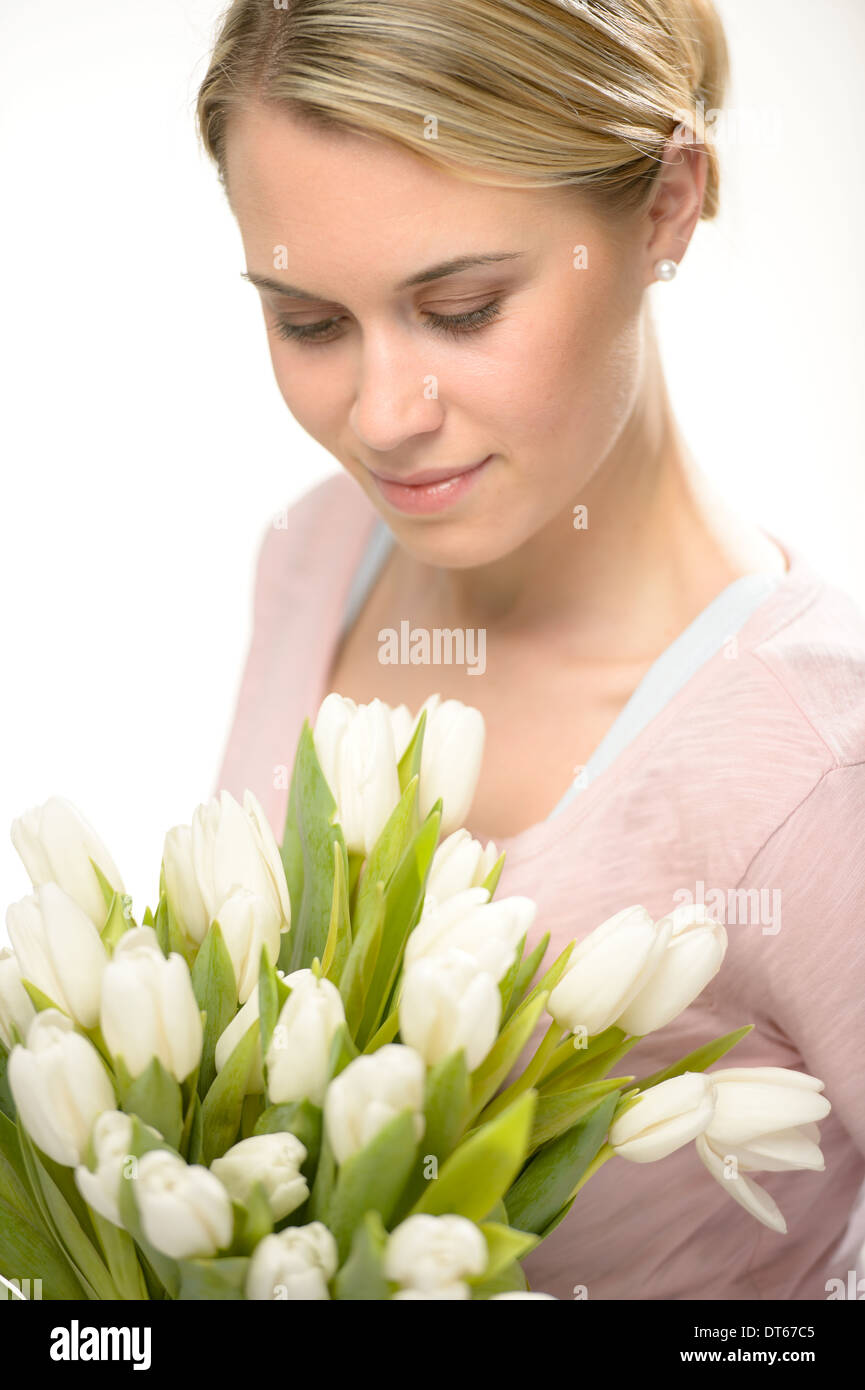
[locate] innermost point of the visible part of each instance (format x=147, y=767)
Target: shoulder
x=317, y=539
x=807, y=665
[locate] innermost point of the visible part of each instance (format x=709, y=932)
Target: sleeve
x=816, y=961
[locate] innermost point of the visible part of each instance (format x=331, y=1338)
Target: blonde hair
x=534, y=93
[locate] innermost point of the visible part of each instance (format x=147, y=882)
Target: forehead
x=334, y=192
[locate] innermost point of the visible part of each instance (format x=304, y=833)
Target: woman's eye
x=453, y=325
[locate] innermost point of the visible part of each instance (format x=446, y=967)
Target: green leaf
x=217, y=1279
x=479, y=1172
x=39, y=1000
x=7, y=1104
x=525, y=975
x=409, y=763
x=65, y=1229
x=385, y=855
x=118, y=1248
x=154, y=1097
x=222, y=1106
x=28, y=1249
x=106, y=887
x=699, y=1060
x=509, y=1280
x=215, y=990
x=362, y=1277
x=496, y=1066
x=557, y=1113
x=118, y=922
x=300, y=1118
x=403, y=901
x=307, y=855
x=549, y=1179
x=508, y=980
x=446, y=1108
x=491, y=882
x=504, y=1246
x=372, y=1179
x=357, y=975
x=253, y=1221
x=268, y=1001
x=338, y=942
x=386, y=1033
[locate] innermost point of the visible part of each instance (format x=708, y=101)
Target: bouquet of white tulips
x=298, y=1077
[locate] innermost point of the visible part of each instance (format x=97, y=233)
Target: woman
x=452, y=213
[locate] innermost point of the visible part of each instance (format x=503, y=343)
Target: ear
x=678, y=200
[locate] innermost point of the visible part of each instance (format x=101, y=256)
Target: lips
x=431, y=490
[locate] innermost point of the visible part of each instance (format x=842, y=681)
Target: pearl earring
x=666, y=270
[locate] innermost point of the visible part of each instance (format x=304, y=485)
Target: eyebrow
x=421, y=277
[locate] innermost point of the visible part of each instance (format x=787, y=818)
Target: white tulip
x=368, y=1093
x=453, y=749
x=59, y=1086
x=184, y=1209
x=181, y=883
x=765, y=1121
x=664, y=1118
x=489, y=931
x=228, y=1040
x=693, y=956
x=294, y=1264
x=403, y=725
x=426, y=1254
x=300, y=1047
x=459, y=863
x=112, y=1142
x=248, y=922
x=59, y=950
x=607, y=969
x=15, y=1003
x=274, y=1160
x=355, y=747
x=233, y=847
x=56, y=844
x=149, y=1008
x=448, y=1002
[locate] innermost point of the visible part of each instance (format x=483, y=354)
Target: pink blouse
x=749, y=783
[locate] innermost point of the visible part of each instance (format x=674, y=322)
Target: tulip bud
x=185, y=1211
x=432, y=1255
x=354, y=745
x=692, y=958
x=453, y=748
x=16, y=1006
x=112, y=1142
x=248, y=922
x=765, y=1120
x=59, y=950
x=149, y=1008
x=297, y=1058
x=274, y=1160
x=403, y=725
x=181, y=883
x=56, y=844
x=233, y=847
x=368, y=1093
x=664, y=1118
x=607, y=969
x=59, y=1086
x=459, y=863
x=294, y=1264
x=490, y=932
x=448, y=1002
x=521, y=1294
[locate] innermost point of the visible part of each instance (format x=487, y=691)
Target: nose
x=397, y=393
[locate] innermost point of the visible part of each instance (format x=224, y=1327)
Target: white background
x=146, y=447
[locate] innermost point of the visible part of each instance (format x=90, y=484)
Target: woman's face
x=529, y=361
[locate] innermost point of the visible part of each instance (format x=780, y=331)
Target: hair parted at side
x=518, y=93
